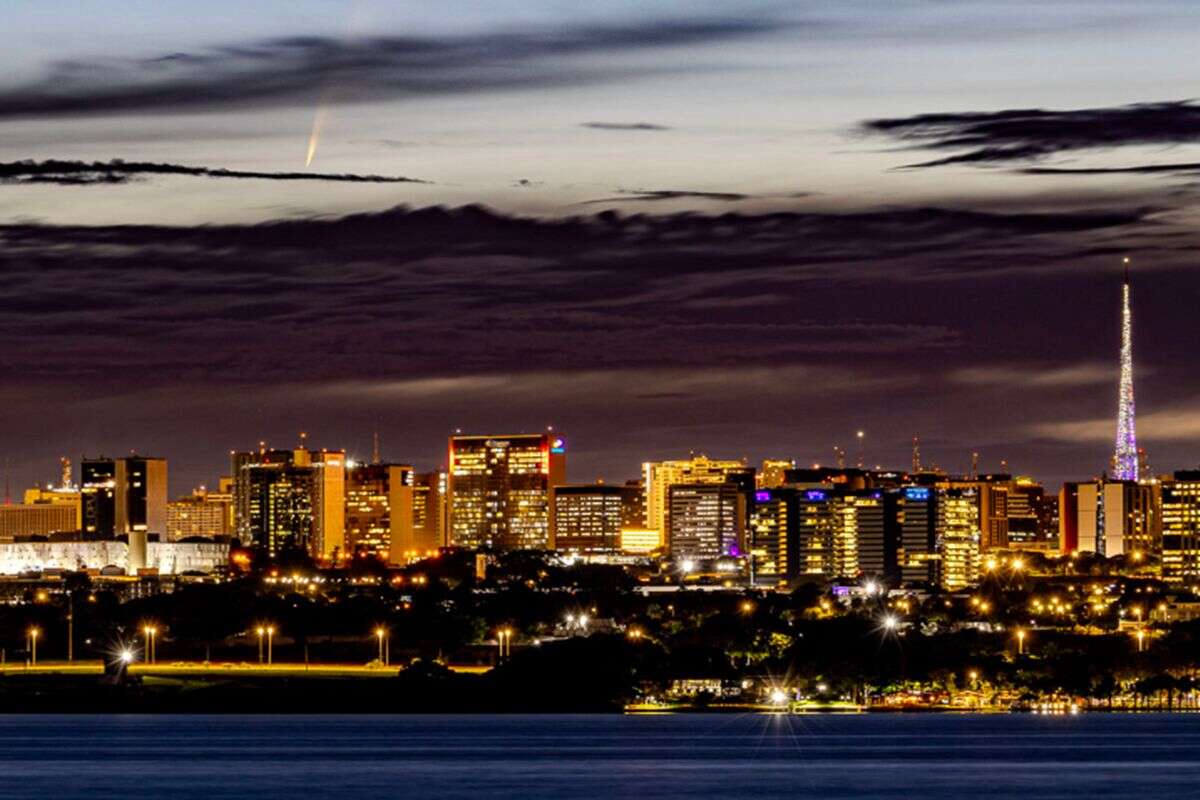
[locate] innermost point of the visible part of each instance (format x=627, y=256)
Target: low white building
x=168, y=558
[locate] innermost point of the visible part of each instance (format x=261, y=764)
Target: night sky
x=745, y=229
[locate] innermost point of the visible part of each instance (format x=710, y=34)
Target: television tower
x=1125, y=459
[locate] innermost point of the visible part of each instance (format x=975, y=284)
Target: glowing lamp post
x=1141, y=640
x=33, y=637
x=150, y=632
x=381, y=635
x=270, y=642
x=1020, y=642
x=261, y=632
x=504, y=643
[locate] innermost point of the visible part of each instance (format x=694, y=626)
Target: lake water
x=684, y=756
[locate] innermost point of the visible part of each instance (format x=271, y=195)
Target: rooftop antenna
x=860, y=435
x=974, y=465
x=303, y=439
x=375, y=447
x=916, y=454
x=839, y=457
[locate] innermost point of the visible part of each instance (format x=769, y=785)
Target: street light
x=890, y=622
x=381, y=635
x=504, y=642
x=150, y=632
x=33, y=637
x=261, y=632
x=270, y=641
x=1020, y=641
x=1141, y=637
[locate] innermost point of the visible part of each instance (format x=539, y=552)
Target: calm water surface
x=687, y=756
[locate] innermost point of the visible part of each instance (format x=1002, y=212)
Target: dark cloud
x=652, y=195
x=643, y=335
x=81, y=173
x=1014, y=135
x=1186, y=169
x=323, y=69
x=625, y=126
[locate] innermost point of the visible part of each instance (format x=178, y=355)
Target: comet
x=315, y=136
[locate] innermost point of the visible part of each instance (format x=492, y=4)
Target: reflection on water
x=759, y=756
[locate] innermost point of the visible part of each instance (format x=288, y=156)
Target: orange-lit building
x=499, y=490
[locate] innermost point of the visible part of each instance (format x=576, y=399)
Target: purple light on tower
x=1125, y=460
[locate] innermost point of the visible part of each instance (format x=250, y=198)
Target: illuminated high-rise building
x=773, y=538
x=429, y=511
x=957, y=538
x=633, y=505
x=588, y=519
x=291, y=499
x=379, y=512
x=1181, y=529
x=1118, y=517
x=992, y=493
x=1125, y=456
x=817, y=513
x=707, y=520
x=329, y=531
x=913, y=515
x=499, y=490
x=201, y=514
x=660, y=476
x=123, y=495
x=864, y=514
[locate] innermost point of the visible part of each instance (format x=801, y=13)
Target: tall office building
x=379, y=511
x=329, y=530
x=992, y=492
x=123, y=495
x=1025, y=510
x=200, y=514
x=429, y=511
x=659, y=476
x=588, y=518
x=633, y=505
x=957, y=538
x=1181, y=529
x=913, y=515
x=773, y=537
x=817, y=516
x=866, y=514
x=1118, y=517
x=291, y=498
x=707, y=520
x=499, y=490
